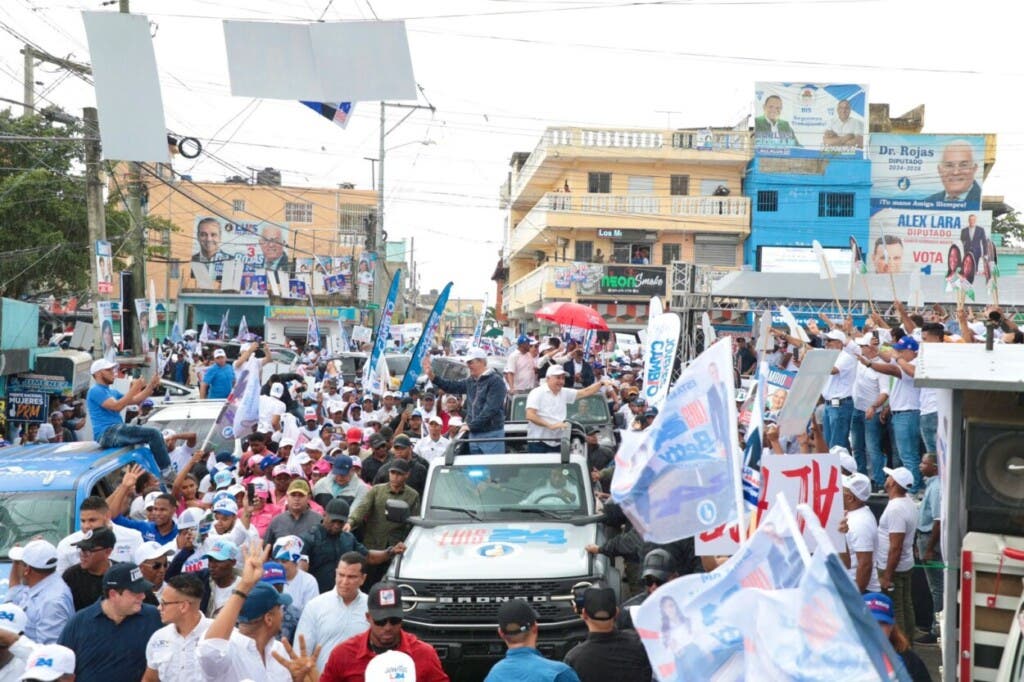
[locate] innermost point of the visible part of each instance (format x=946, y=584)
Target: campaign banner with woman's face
x=810, y=120
x=259, y=246
x=933, y=242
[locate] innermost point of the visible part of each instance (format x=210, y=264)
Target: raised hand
x=299, y=665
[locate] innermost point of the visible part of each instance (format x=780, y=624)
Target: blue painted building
x=794, y=201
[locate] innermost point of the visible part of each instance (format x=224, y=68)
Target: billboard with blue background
x=810, y=120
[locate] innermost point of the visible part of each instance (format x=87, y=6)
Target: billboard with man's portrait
x=926, y=204
x=257, y=246
x=810, y=120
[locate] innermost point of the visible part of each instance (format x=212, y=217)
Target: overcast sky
x=500, y=71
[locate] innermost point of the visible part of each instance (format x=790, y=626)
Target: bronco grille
x=478, y=602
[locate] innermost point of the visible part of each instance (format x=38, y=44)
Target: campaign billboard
x=258, y=246
x=810, y=120
x=794, y=259
x=926, y=204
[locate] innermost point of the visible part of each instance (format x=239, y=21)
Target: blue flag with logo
x=383, y=329
x=423, y=344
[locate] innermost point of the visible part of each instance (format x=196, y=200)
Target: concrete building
x=597, y=216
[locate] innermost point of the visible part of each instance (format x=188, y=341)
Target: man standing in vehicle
x=485, y=394
x=546, y=409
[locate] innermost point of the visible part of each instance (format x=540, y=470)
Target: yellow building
x=598, y=216
x=252, y=233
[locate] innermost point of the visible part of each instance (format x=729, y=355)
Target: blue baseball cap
x=273, y=574
x=907, y=342
x=262, y=597
x=880, y=606
x=342, y=465
x=222, y=550
x=523, y=338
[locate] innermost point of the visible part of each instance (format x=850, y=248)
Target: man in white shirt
x=894, y=553
x=843, y=131
x=434, y=444
x=271, y=408
x=180, y=454
x=546, y=409
x=335, y=616
x=171, y=652
x=905, y=403
x=838, y=392
x=252, y=651
x=94, y=513
x=519, y=368
x=300, y=585
x=870, y=393
x=861, y=533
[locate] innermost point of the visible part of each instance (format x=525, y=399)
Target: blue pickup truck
x=41, y=487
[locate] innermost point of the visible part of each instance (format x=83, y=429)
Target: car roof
x=51, y=466
x=187, y=409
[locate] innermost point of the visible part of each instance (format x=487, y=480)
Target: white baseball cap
x=219, y=353
x=901, y=475
x=100, y=365
x=192, y=517
x=286, y=442
x=391, y=665
x=859, y=485
x=556, y=371
x=836, y=335
x=12, y=618
x=846, y=460
x=151, y=550
x=277, y=389
x=37, y=554
x=434, y=419
x=49, y=662
x=225, y=506
x=316, y=444
x=149, y=500
x=476, y=353
x=300, y=458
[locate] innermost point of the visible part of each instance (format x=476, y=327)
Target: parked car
x=42, y=486
x=198, y=416
x=171, y=391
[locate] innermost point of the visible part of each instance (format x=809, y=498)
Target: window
x=238, y=205
x=599, y=183
x=679, y=185
x=767, y=201
x=835, y=204
x=584, y=251
x=669, y=253
x=298, y=213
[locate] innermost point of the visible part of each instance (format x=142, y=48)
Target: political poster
x=108, y=343
x=802, y=259
x=365, y=276
x=660, y=352
x=27, y=407
x=104, y=267
x=930, y=242
x=253, y=284
x=258, y=246
x=682, y=476
x=810, y=120
x=777, y=387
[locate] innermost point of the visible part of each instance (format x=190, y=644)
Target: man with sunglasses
x=171, y=652
x=85, y=579
x=659, y=567
x=152, y=559
x=348, y=661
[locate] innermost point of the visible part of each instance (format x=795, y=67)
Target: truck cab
x=493, y=528
x=42, y=486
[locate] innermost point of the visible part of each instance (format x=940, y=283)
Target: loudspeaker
x=994, y=477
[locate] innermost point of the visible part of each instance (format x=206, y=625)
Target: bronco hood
x=489, y=551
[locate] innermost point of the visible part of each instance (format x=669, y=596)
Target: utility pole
x=136, y=239
x=28, y=82
x=94, y=208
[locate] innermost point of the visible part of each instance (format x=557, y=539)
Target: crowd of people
x=271, y=565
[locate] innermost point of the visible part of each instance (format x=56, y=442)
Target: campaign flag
x=153, y=320
x=224, y=333
x=412, y=372
x=383, y=328
x=795, y=330
x=478, y=333
x=339, y=113
x=241, y=410
x=680, y=626
x=312, y=332
x=660, y=352
x=141, y=315
x=915, y=297
x=243, y=329
x=682, y=476
x=707, y=330
x=380, y=378
x=176, y=336
x=824, y=269
x=588, y=344
x=344, y=345
x=204, y=334
x=858, y=266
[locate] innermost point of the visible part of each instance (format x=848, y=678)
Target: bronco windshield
x=24, y=515
x=506, y=491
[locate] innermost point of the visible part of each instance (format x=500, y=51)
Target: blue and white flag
x=176, y=336
x=683, y=476
x=204, y=335
x=344, y=345
x=383, y=329
x=224, y=333
x=660, y=350
x=478, y=333
x=412, y=373
x=312, y=332
x=243, y=329
x=241, y=410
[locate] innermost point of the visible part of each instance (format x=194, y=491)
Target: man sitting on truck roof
x=105, y=405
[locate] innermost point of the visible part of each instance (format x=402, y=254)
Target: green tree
x=1010, y=226
x=44, y=235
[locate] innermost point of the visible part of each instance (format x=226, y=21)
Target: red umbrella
x=572, y=315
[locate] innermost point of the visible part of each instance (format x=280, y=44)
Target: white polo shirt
x=551, y=407
x=905, y=396
x=237, y=658
x=862, y=536
x=867, y=386
x=172, y=656
x=841, y=385
x=428, y=449
x=303, y=588
x=900, y=516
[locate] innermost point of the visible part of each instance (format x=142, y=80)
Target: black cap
x=659, y=564
x=336, y=510
x=376, y=440
x=401, y=465
x=403, y=441
x=516, y=616
x=600, y=603
x=98, y=538
x=126, y=576
x=591, y=430
x=385, y=601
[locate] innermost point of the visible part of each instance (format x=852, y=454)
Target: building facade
x=598, y=216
